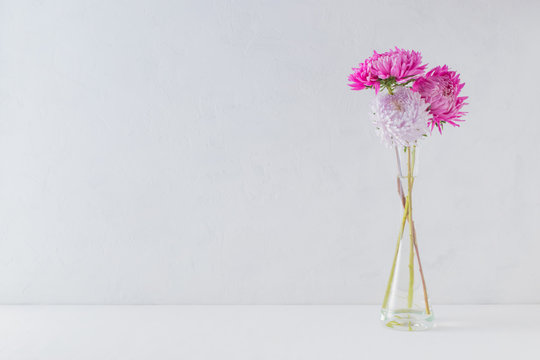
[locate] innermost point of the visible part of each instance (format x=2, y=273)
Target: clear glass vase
x=406, y=304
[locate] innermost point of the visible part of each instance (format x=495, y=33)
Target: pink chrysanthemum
x=401, y=119
x=440, y=87
x=397, y=65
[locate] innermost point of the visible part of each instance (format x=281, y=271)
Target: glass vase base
x=407, y=319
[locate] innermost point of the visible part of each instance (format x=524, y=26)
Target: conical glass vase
x=406, y=304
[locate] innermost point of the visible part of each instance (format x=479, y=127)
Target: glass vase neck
x=407, y=161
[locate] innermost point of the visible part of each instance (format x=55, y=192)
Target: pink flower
x=363, y=76
x=440, y=88
x=394, y=66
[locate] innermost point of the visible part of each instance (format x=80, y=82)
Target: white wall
x=211, y=152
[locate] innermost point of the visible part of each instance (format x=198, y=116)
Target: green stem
x=411, y=234
x=392, y=271
x=405, y=207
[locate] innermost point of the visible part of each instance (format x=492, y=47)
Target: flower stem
x=409, y=213
x=416, y=243
x=406, y=217
x=405, y=208
x=421, y=271
x=392, y=271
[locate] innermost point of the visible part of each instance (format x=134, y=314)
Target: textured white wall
x=211, y=152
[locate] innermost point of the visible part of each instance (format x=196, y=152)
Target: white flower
x=402, y=118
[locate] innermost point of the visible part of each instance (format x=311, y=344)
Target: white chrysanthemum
x=401, y=118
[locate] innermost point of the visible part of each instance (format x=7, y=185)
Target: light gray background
x=211, y=152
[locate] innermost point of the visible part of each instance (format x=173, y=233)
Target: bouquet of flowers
x=408, y=105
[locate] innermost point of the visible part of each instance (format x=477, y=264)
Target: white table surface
x=263, y=332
